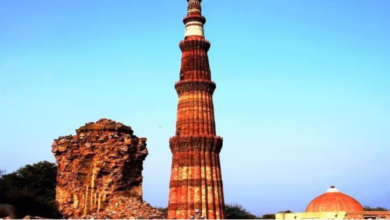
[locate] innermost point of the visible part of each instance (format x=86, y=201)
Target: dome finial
x=332, y=189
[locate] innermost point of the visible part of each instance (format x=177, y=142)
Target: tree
x=235, y=211
x=268, y=216
x=31, y=189
x=368, y=208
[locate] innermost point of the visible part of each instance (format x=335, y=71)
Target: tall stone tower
x=196, y=181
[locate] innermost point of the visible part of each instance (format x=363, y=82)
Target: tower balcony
x=195, y=85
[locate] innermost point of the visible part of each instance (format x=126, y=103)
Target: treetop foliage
x=31, y=189
x=236, y=211
x=368, y=208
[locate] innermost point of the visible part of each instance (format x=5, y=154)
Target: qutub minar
x=196, y=182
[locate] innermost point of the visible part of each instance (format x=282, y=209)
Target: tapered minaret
x=196, y=182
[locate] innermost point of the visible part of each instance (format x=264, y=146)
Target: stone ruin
x=100, y=173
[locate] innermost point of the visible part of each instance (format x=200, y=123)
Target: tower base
x=196, y=180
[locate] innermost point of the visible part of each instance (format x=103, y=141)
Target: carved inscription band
x=190, y=104
x=191, y=206
x=182, y=144
x=186, y=86
x=194, y=183
x=185, y=206
x=185, y=161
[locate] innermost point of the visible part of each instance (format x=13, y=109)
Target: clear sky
x=302, y=99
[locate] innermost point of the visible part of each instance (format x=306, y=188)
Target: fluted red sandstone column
x=196, y=181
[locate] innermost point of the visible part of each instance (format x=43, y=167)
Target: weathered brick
x=100, y=172
x=196, y=181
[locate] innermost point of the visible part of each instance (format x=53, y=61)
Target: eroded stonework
x=100, y=172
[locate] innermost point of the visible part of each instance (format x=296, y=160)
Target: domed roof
x=334, y=201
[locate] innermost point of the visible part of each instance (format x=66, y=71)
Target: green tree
x=287, y=211
x=268, y=216
x=368, y=208
x=235, y=211
x=31, y=189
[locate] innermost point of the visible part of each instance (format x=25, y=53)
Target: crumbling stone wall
x=100, y=171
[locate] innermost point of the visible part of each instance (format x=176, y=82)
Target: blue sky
x=302, y=97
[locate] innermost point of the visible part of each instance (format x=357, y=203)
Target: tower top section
x=194, y=20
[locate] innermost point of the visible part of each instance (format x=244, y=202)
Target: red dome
x=334, y=201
